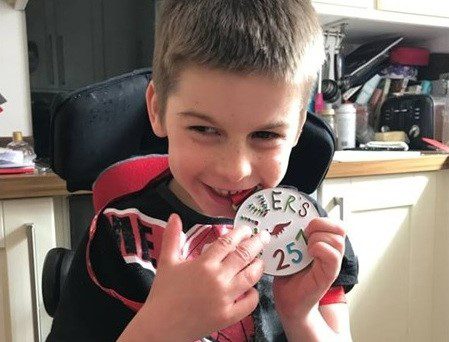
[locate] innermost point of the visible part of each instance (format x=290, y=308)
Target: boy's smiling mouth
x=227, y=193
x=233, y=197
x=224, y=194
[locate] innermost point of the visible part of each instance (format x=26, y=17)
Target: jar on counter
x=328, y=115
x=345, y=125
x=18, y=144
x=363, y=131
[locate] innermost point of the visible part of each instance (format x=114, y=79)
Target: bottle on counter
x=328, y=115
x=18, y=144
x=445, y=120
x=345, y=125
x=363, y=131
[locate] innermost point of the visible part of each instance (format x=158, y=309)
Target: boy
x=230, y=87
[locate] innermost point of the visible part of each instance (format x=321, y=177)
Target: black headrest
x=101, y=124
x=311, y=157
x=98, y=125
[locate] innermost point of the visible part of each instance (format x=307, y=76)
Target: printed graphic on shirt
x=139, y=238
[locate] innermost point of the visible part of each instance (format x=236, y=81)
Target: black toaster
x=412, y=114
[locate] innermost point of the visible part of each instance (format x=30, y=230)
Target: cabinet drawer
x=27, y=313
x=2, y=227
x=436, y=8
x=352, y=3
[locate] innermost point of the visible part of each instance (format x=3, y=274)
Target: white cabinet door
x=352, y=3
x=2, y=229
x=441, y=262
x=21, y=325
x=391, y=221
x=3, y=283
x=437, y=8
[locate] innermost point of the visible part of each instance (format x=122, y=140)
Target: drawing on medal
x=285, y=213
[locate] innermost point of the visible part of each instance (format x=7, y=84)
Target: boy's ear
x=154, y=112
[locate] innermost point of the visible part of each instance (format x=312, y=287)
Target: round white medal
x=285, y=213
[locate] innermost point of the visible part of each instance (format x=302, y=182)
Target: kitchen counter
x=49, y=184
x=426, y=162
x=31, y=185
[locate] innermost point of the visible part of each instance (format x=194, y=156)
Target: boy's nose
x=234, y=165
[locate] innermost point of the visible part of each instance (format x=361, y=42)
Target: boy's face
x=226, y=133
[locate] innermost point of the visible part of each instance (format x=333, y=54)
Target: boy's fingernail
x=172, y=219
x=247, y=229
x=265, y=236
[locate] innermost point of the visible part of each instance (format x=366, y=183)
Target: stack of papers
x=12, y=161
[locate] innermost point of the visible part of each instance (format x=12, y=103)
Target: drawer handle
x=340, y=202
x=31, y=238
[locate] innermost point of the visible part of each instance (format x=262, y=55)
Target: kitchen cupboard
x=32, y=227
x=437, y=8
x=371, y=22
x=64, y=39
x=76, y=43
x=398, y=227
x=354, y=3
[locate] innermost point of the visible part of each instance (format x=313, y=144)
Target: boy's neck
x=182, y=195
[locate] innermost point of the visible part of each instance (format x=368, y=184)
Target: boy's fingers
x=171, y=241
x=328, y=261
x=247, y=277
x=245, y=253
x=245, y=304
x=227, y=243
x=334, y=240
x=322, y=224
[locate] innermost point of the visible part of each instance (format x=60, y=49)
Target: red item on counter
x=16, y=170
x=436, y=144
x=410, y=56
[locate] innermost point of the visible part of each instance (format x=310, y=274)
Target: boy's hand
x=190, y=299
x=296, y=295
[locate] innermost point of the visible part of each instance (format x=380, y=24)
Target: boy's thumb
x=171, y=241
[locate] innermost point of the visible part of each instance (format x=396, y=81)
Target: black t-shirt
x=115, y=263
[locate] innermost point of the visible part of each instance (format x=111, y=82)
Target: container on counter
x=18, y=144
x=328, y=115
x=345, y=125
x=363, y=131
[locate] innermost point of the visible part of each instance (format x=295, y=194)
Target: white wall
x=14, y=79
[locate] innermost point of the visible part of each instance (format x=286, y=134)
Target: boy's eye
x=266, y=135
x=206, y=130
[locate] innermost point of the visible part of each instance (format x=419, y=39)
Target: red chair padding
x=125, y=177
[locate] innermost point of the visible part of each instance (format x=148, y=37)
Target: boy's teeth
x=225, y=192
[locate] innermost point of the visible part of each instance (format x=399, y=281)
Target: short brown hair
x=279, y=38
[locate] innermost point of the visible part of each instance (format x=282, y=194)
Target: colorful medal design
x=285, y=213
